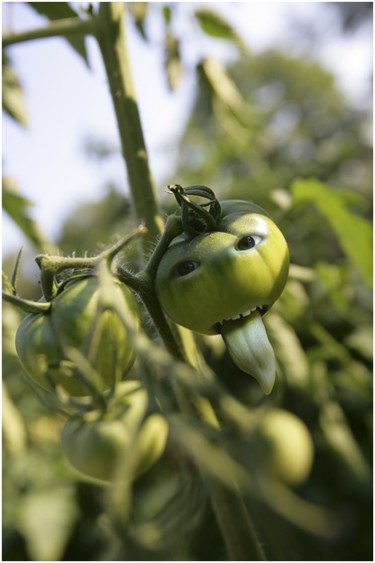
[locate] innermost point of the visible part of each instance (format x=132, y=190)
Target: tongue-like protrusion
x=247, y=342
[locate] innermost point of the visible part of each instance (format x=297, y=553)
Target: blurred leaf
x=337, y=432
x=13, y=100
x=353, y=232
x=54, y=10
x=312, y=518
x=288, y=350
x=215, y=26
x=46, y=519
x=362, y=341
x=172, y=61
x=138, y=10
x=7, y=285
x=294, y=301
x=17, y=208
x=167, y=14
x=334, y=280
x=222, y=85
x=58, y=11
x=331, y=347
x=13, y=427
x=212, y=458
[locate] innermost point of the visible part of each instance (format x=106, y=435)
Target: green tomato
x=226, y=273
x=99, y=446
x=73, y=321
x=223, y=281
x=286, y=446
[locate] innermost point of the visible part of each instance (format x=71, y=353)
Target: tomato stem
x=25, y=304
x=173, y=228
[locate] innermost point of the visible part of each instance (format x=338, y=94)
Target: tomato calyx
x=195, y=218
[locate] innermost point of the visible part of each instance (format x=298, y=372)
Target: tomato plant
x=186, y=442
x=101, y=445
x=75, y=319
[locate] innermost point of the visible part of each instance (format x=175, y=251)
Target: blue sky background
x=67, y=103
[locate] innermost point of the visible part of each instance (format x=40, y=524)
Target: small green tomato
x=287, y=448
x=99, y=446
x=73, y=322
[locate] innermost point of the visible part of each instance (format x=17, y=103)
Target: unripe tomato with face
x=226, y=273
x=223, y=281
x=73, y=321
x=99, y=446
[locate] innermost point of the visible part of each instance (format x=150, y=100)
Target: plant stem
x=110, y=34
x=64, y=28
x=26, y=304
x=235, y=524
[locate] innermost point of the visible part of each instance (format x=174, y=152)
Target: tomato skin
x=98, y=445
x=73, y=321
x=94, y=447
x=227, y=281
x=286, y=446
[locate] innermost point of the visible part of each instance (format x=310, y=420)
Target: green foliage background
x=274, y=128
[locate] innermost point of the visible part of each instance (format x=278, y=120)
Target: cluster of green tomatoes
x=219, y=271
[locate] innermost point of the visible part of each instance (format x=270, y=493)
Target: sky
x=68, y=103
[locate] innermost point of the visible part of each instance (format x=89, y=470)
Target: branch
x=111, y=37
x=59, y=28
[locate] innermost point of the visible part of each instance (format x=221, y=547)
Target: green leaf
x=172, y=61
x=58, y=11
x=17, y=208
x=361, y=340
x=353, y=232
x=46, y=519
x=13, y=100
x=288, y=350
x=138, y=10
x=167, y=14
x=54, y=10
x=13, y=426
x=6, y=283
x=210, y=457
x=215, y=26
x=339, y=436
x=223, y=87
